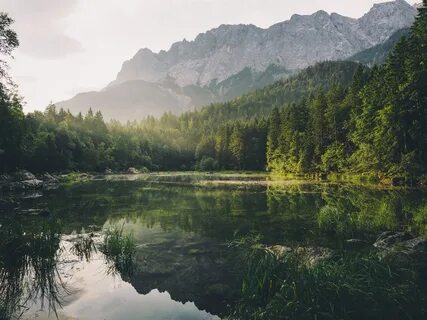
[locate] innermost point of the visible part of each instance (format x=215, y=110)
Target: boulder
x=50, y=181
x=401, y=248
x=416, y=245
x=31, y=184
x=389, y=238
x=24, y=175
x=311, y=255
x=279, y=250
x=132, y=171
x=416, y=249
x=314, y=255
x=47, y=177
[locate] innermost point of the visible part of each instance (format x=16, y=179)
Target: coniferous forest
x=334, y=117
x=272, y=230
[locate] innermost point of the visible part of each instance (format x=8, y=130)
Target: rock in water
x=31, y=184
x=132, y=171
x=24, y=175
x=389, y=238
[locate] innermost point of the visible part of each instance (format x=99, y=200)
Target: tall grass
x=345, y=287
x=84, y=247
x=119, y=249
x=28, y=267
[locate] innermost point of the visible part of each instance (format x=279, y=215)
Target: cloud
x=41, y=27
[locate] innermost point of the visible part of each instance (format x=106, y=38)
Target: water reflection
x=28, y=267
x=182, y=262
x=47, y=275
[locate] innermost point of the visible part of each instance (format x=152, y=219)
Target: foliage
x=286, y=286
x=8, y=42
x=119, y=249
x=334, y=117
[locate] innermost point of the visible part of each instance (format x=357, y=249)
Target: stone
x=132, y=171
x=417, y=244
x=279, y=250
x=225, y=51
x=47, y=177
x=389, y=238
x=314, y=255
x=32, y=184
x=24, y=175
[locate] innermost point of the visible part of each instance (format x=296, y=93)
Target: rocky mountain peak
x=187, y=72
x=294, y=44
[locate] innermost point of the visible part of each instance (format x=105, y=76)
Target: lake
x=185, y=265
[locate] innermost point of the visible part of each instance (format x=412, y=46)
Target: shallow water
x=184, y=268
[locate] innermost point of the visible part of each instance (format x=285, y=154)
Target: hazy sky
x=70, y=46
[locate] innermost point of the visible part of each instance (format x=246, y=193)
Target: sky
x=72, y=46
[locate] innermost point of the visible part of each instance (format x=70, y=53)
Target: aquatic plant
x=28, y=267
x=83, y=247
x=119, y=249
x=285, y=286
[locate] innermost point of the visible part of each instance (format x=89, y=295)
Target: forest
x=332, y=118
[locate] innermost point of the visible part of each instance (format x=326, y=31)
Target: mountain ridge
x=202, y=69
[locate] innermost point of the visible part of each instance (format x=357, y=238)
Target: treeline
x=376, y=126
x=56, y=140
x=334, y=117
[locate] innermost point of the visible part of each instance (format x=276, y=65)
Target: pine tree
x=273, y=135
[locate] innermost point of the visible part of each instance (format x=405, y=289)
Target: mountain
x=259, y=103
x=379, y=53
x=231, y=60
x=136, y=99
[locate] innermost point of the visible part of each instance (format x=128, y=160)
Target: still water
x=184, y=267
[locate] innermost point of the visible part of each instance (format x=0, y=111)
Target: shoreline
x=24, y=180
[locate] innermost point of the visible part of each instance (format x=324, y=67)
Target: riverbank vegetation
x=306, y=284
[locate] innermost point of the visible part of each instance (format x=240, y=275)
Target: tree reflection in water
x=30, y=265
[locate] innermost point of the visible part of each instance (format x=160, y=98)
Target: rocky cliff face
x=294, y=44
x=231, y=60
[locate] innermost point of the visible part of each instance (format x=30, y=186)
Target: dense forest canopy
x=334, y=117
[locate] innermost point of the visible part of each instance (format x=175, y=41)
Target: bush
x=207, y=164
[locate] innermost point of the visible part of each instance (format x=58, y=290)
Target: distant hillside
x=137, y=99
x=260, y=102
x=379, y=53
